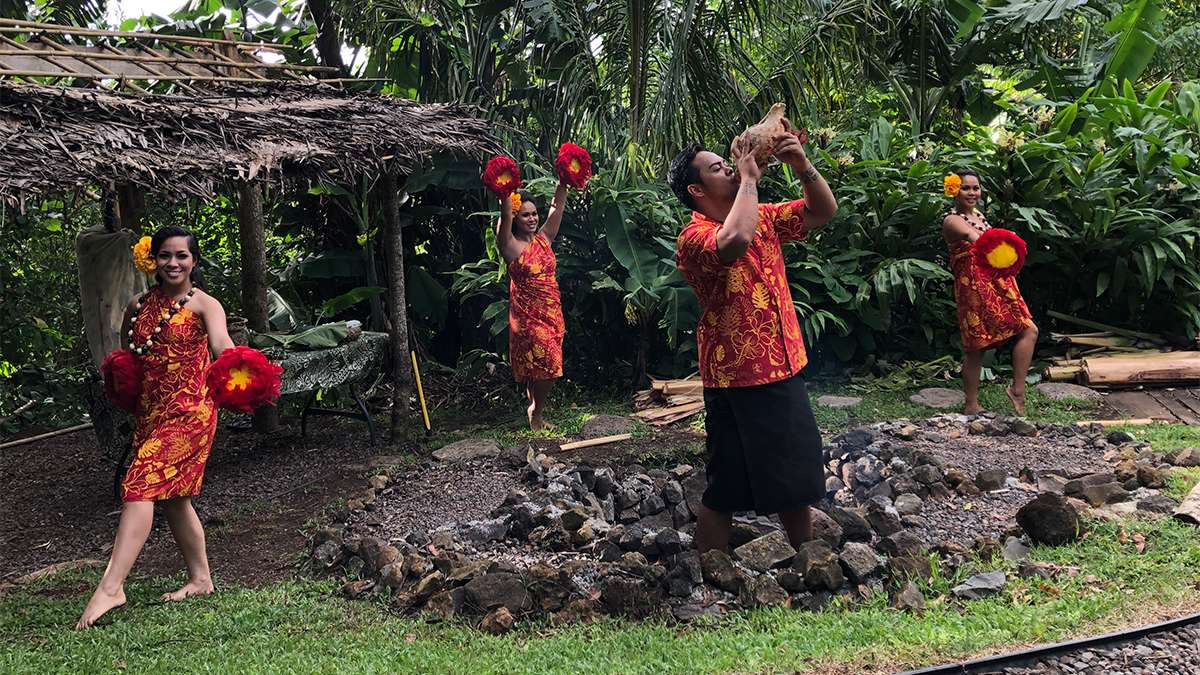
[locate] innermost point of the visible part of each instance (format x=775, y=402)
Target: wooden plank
x=691, y=387
x=1099, y=326
x=1131, y=422
x=1156, y=368
x=22, y=26
x=1170, y=401
x=594, y=441
x=1138, y=404
x=1190, y=398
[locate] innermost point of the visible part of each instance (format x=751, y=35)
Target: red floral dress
x=535, y=318
x=176, y=417
x=990, y=311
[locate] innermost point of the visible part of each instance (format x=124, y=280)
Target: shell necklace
x=981, y=225
x=164, y=319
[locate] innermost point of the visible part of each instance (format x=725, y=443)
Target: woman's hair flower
x=574, y=165
x=502, y=176
x=951, y=184
x=514, y=202
x=142, y=258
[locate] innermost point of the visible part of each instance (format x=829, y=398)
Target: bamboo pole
x=603, y=440
x=48, y=434
x=1100, y=326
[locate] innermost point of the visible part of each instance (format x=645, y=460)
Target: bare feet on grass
x=191, y=588
x=101, y=603
x=1018, y=400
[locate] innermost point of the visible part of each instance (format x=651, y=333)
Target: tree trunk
x=254, y=279
x=397, y=306
x=329, y=41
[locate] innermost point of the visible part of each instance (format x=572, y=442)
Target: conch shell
x=761, y=137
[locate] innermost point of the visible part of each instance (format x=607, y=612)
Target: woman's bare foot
x=101, y=603
x=192, y=587
x=1018, y=400
x=972, y=409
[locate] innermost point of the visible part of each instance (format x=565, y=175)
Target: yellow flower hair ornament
x=142, y=258
x=514, y=201
x=951, y=184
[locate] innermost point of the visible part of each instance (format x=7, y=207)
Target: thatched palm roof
x=63, y=138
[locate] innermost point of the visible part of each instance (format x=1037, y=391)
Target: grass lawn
x=299, y=627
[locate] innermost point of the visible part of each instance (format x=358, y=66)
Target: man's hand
x=790, y=150
x=747, y=167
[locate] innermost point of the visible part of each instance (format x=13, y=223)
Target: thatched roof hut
x=63, y=138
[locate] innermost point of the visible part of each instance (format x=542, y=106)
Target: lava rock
x=498, y=621
x=859, y=561
x=826, y=528
x=854, y=526
x=764, y=591
x=668, y=542
x=446, y=604
x=909, y=598
x=766, y=552
x=883, y=516
x=718, y=569
x=1075, y=487
x=819, y=565
x=1105, y=493
x=1015, y=550
x=1151, y=476
x=607, y=425
x=485, y=531
x=1157, y=504
x=904, y=567
x=968, y=488
x=685, y=575
x=499, y=589
x=1185, y=457
x=980, y=586
x=628, y=597
x=1050, y=519
x=991, y=479
x=904, y=542
x=908, y=504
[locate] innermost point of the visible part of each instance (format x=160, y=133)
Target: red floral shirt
x=748, y=333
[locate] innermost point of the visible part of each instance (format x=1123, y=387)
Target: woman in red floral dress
x=991, y=311
x=173, y=327
x=535, y=318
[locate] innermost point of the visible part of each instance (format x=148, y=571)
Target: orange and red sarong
x=176, y=418
x=535, y=318
x=990, y=311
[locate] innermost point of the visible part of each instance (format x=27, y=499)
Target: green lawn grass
x=300, y=627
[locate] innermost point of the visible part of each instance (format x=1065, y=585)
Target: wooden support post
x=254, y=279
x=397, y=306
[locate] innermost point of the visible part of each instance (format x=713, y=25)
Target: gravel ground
x=964, y=519
x=433, y=496
x=975, y=453
x=1175, y=652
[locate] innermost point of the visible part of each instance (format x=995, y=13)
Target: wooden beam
x=603, y=440
x=165, y=60
x=254, y=279
x=397, y=306
x=161, y=78
x=22, y=26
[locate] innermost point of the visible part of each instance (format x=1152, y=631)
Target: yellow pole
x=421, y=392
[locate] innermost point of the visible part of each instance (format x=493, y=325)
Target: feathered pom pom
x=243, y=379
x=574, y=165
x=999, y=253
x=502, y=176
x=122, y=373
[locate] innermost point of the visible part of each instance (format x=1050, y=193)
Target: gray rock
x=693, y=490
x=790, y=580
x=927, y=474
x=766, y=552
x=991, y=479
x=1105, y=493
x=447, y=604
x=1050, y=519
x=672, y=493
x=329, y=553
x=1062, y=391
x=628, y=597
x=819, y=565
x=607, y=425
x=830, y=401
x=1076, y=486
x=833, y=484
x=1157, y=504
x=883, y=517
x=904, y=542
x=1015, y=550
x=1023, y=427
x=484, y=531
x=1185, y=457
x=685, y=575
x=651, y=505
x=909, y=598
x=856, y=439
x=854, y=526
x=1120, y=437
x=1049, y=482
x=668, y=542
x=764, y=591
x=718, y=569
x=498, y=589
x=859, y=561
x=980, y=585
x=826, y=528
x=1151, y=476
x=939, y=397
x=604, y=483
x=905, y=567
x=908, y=504
x=469, y=448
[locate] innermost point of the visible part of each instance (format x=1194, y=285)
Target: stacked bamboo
x=668, y=401
x=1114, y=357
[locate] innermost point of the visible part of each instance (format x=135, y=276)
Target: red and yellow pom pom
x=999, y=253
x=574, y=165
x=502, y=176
x=514, y=202
x=243, y=379
x=142, y=258
x=122, y=372
x=951, y=184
